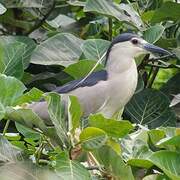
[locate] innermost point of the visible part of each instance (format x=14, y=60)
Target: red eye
x=134, y=41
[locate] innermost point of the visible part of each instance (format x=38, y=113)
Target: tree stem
x=110, y=28
x=151, y=81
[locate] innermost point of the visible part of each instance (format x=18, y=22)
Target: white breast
x=121, y=87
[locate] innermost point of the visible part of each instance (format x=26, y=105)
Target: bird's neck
x=119, y=62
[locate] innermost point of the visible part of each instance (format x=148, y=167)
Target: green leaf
x=92, y=138
x=171, y=87
x=168, y=11
x=154, y=33
x=140, y=155
x=95, y=48
x=8, y=152
x=112, y=127
x=11, y=59
x=152, y=109
x=2, y=9
x=27, y=132
x=156, y=135
x=61, y=49
x=57, y=115
x=147, y=15
x=2, y=111
x=111, y=9
x=113, y=163
x=135, y=149
x=29, y=46
x=24, y=4
x=74, y=113
x=176, y=51
x=168, y=162
x=61, y=21
x=173, y=141
x=76, y=3
x=156, y=177
x=81, y=68
x=11, y=89
x=140, y=84
x=33, y=95
x=26, y=117
x=13, y=136
x=71, y=170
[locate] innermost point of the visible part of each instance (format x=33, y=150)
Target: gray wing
x=91, y=80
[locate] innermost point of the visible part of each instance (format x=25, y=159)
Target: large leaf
x=61, y=21
x=8, y=152
x=112, y=127
x=61, y=49
x=168, y=162
x=140, y=84
x=168, y=11
x=2, y=111
x=71, y=170
x=11, y=89
x=171, y=88
x=26, y=117
x=74, y=113
x=29, y=46
x=154, y=33
x=109, y=8
x=156, y=135
x=173, y=141
x=150, y=107
x=11, y=58
x=26, y=170
x=81, y=68
x=33, y=95
x=113, y=163
x=2, y=9
x=92, y=138
x=140, y=155
x=95, y=48
x=136, y=150
x=27, y=132
x=57, y=114
x=25, y=3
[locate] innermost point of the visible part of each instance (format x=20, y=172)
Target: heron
x=109, y=90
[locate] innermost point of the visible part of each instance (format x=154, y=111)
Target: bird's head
x=129, y=45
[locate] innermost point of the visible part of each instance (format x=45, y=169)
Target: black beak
x=155, y=49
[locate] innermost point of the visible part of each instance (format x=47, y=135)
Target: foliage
x=44, y=44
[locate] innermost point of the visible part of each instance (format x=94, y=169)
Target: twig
x=164, y=67
x=90, y=168
x=40, y=22
x=93, y=159
x=150, y=83
x=110, y=28
x=150, y=72
x=162, y=57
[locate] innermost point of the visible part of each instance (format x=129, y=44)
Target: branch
x=110, y=28
x=40, y=22
x=151, y=81
x=164, y=67
x=91, y=168
x=162, y=57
